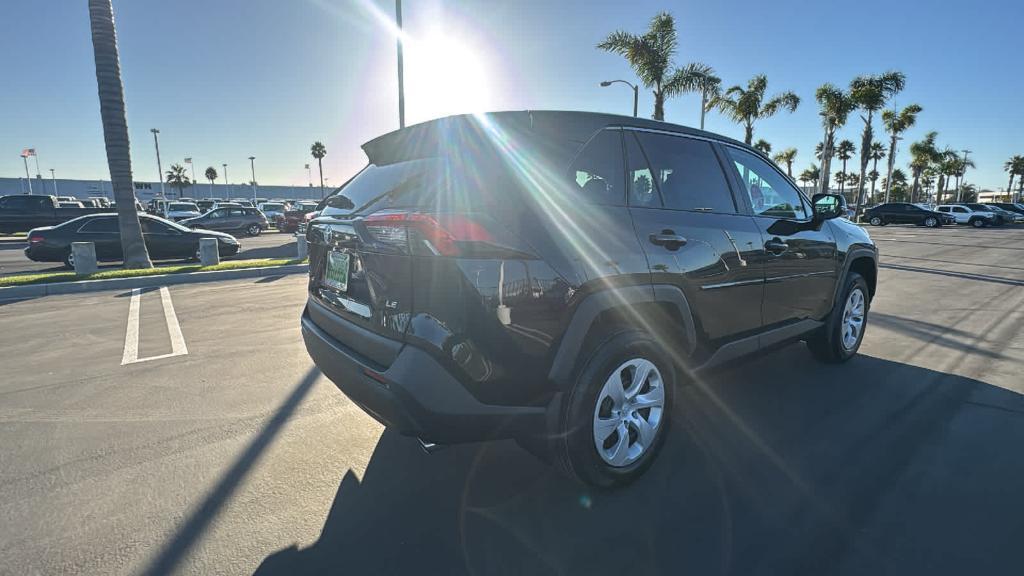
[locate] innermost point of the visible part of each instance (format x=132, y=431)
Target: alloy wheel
x=876, y=221
x=629, y=412
x=853, y=318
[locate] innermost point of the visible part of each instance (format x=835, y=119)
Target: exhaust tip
x=429, y=447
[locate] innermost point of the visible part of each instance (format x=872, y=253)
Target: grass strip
x=49, y=277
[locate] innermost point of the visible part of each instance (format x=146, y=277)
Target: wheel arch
x=662, y=310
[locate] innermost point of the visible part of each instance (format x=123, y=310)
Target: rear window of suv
x=437, y=184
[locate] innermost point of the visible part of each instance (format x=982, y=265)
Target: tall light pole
x=159, y=168
x=963, y=178
x=252, y=165
x=636, y=91
x=309, y=175
x=28, y=177
x=225, y=180
x=53, y=177
x=193, y=166
x=401, y=74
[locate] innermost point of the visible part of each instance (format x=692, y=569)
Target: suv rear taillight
x=440, y=234
x=35, y=239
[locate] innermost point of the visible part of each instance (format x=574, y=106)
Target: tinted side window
x=642, y=191
x=100, y=225
x=770, y=194
x=943, y=208
x=687, y=173
x=598, y=170
x=16, y=202
x=154, y=227
x=959, y=210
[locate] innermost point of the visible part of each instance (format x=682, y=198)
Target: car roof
x=564, y=125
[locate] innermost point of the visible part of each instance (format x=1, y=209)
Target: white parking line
x=131, y=336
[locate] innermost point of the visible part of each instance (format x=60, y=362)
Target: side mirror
x=828, y=206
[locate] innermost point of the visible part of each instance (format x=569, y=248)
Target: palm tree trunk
x=842, y=184
x=659, y=103
x=826, y=160
x=913, y=189
x=1009, y=187
x=789, y=169
x=892, y=164
x=865, y=150
x=703, y=106
x=750, y=133
x=115, y=132
x=874, y=168
x=320, y=164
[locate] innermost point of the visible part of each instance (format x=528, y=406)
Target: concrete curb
x=35, y=290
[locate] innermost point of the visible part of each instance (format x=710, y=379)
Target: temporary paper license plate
x=336, y=276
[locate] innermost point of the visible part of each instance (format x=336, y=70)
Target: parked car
x=165, y=240
x=998, y=220
x=70, y=205
x=102, y=201
x=272, y=210
x=557, y=304
x=1010, y=206
x=1009, y=216
x=243, y=202
x=904, y=213
x=293, y=219
x=205, y=205
x=23, y=212
x=177, y=211
x=66, y=199
x=232, y=218
x=964, y=215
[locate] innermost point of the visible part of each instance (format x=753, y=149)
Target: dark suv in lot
x=905, y=213
x=555, y=277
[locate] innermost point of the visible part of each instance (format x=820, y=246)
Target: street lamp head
x=252, y=157
x=606, y=84
x=154, y=130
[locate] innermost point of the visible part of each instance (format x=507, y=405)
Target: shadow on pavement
x=289, y=250
x=196, y=524
x=781, y=466
x=964, y=275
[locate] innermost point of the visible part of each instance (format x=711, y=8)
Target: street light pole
x=159, y=168
x=225, y=180
x=53, y=177
x=192, y=165
x=252, y=165
x=401, y=74
x=28, y=176
x=963, y=178
x=635, y=87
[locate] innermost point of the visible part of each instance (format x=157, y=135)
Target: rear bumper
x=415, y=395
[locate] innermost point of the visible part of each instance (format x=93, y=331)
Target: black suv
x=554, y=277
x=904, y=213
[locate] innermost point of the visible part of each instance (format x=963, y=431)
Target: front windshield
x=183, y=207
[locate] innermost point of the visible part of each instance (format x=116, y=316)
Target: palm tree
x=177, y=177
x=115, y=132
x=211, y=175
x=897, y=123
x=745, y=106
x=923, y=154
x=811, y=175
x=763, y=146
x=840, y=178
x=876, y=153
x=318, y=150
x=697, y=77
x=853, y=180
x=968, y=193
x=787, y=157
x=946, y=166
x=844, y=151
x=650, y=55
x=834, y=107
x=1015, y=166
x=962, y=166
x=870, y=94
x=898, y=180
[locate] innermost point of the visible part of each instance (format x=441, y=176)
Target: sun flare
x=444, y=76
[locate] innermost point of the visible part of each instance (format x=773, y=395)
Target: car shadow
x=289, y=250
x=778, y=466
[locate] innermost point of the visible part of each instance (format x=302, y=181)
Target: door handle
x=669, y=239
x=776, y=246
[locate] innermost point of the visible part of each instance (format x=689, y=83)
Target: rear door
x=105, y=235
x=695, y=234
x=163, y=241
x=800, y=261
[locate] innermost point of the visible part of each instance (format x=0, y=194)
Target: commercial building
x=146, y=191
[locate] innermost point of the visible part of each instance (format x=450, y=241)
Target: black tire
x=977, y=222
x=876, y=221
x=253, y=230
x=931, y=222
x=827, y=343
x=576, y=450
x=69, y=260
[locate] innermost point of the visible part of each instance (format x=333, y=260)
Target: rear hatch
x=405, y=218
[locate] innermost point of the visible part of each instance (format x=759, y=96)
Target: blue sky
x=226, y=79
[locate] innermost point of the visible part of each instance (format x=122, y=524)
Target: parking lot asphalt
x=270, y=244
x=238, y=457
